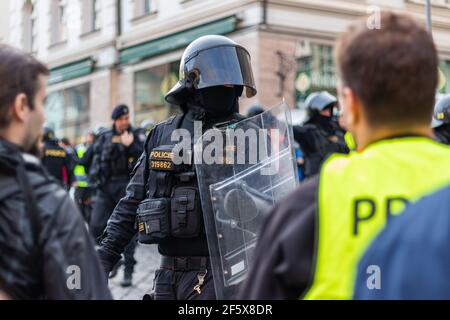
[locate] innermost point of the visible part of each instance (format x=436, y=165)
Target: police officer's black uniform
x=111, y=166
x=56, y=160
x=162, y=199
x=441, y=120
x=321, y=135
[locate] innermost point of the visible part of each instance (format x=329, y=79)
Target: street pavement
x=148, y=260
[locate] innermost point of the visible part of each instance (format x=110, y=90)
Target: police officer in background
x=56, y=160
x=115, y=152
x=321, y=134
x=441, y=120
x=165, y=196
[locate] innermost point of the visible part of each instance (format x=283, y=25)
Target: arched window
x=28, y=26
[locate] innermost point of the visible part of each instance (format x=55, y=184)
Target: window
x=144, y=7
x=444, y=76
x=151, y=85
x=28, y=27
x=316, y=72
x=90, y=11
x=67, y=111
x=58, y=21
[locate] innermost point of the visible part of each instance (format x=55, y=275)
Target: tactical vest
x=172, y=208
x=358, y=193
x=79, y=170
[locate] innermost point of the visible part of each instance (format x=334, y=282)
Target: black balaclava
x=218, y=102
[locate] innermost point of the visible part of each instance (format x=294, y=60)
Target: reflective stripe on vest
x=79, y=170
x=357, y=194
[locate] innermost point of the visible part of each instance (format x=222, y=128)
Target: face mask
x=219, y=101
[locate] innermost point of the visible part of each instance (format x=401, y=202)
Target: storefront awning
x=70, y=71
x=177, y=40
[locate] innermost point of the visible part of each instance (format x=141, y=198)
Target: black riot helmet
x=213, y=61
x=319, y=101
x=441, y=112
x=49, y=134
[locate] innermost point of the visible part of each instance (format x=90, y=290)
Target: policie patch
x=161, y=159
x=55, y=153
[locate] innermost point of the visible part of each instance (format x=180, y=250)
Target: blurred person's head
x=387, y=78
x=320, y=105
x=441, y=114
x=23, y=91
x=148, y=125
x=65, y=142
x=89, y=138
x=49, y=134
x=254, y=111
x=121, y=118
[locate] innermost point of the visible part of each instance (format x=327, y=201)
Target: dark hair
x=19, y=73
x=392, y=70
x=66, y=141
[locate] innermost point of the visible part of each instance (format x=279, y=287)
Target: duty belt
x=185, y=263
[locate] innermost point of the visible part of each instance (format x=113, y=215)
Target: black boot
x=115, y=270
x=127, y=280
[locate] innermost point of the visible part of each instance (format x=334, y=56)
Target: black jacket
x=442, y=134
x=30, y=270
x=319, y=138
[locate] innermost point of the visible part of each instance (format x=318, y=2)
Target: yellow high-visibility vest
x=358, y=193
x=79, y=170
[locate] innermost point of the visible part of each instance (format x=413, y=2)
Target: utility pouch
x=153, y=221
x=185, y=213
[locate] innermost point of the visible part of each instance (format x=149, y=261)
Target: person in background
x=441, y=120
x=83, y=190
x=321, y=134
x=56, y=160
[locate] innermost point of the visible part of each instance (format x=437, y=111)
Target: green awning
x=177, y=40
x=70, y=71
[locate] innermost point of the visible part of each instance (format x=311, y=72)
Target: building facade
x=4, y=21
x=105, y=52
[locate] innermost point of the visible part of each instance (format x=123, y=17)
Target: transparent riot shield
x=243, y=169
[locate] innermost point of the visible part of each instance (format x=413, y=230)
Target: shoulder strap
x=30, y=200
x=170, y=125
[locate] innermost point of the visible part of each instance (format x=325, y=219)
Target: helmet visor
x=220, y=66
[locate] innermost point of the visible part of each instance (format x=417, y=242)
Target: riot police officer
x=321, y=134
x=56, y=160
x=114, y=154
x=164, y=197
x=441, y=120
